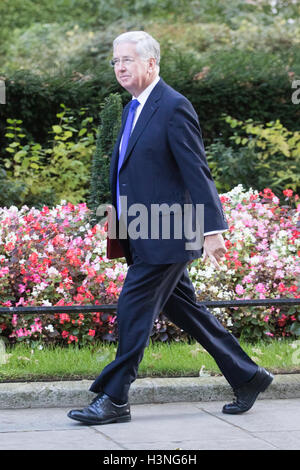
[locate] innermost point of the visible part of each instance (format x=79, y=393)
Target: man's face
x=133, y=73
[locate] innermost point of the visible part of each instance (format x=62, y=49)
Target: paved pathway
x=270, y=425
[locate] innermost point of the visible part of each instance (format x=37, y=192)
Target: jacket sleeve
x=185, y=140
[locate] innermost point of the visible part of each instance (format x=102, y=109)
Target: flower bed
x=54, y=257
x=262, y=262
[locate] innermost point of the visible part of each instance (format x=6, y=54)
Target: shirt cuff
x=216, y=231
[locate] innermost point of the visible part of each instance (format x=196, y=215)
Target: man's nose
x=122, y=65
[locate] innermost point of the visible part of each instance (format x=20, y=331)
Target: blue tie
x=126, y=135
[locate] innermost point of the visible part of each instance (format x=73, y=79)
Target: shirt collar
x=145, y=94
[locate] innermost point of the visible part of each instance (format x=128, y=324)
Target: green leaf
x=295, y=328
x=19, y=155
x=57, y=129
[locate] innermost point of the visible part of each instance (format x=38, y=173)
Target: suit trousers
x=147, y=291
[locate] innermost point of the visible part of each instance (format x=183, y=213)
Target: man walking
x=159, y=159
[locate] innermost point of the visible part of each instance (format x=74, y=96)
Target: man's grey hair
x=146, y=46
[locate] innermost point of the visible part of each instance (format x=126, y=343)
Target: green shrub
x=49, y=174
x=110, y=122
x=260, y=156
x=275, y=150
x=213, y=87
x=232, y=166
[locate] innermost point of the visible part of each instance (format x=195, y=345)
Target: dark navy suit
x=165, y=163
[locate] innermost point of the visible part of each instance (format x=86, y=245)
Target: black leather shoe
x=248, y=392
x=102, y=411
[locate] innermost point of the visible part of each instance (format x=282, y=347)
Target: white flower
x=216, y=311
x=42, y=286
x=255, y=260
x=282, y=234
x=52, y=272
x=201, y=286
x=49, y=328
x=59, y=290
x=214, y=289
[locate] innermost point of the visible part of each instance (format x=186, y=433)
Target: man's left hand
x=214, y=248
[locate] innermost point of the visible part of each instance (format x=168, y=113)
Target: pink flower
x=91, y=333
x=35, y=328
x=260, y=287
x=281, y=287
x=239, y=289
x=288, y=192
x=19, y=333
x=72, y=338
x=4, y=271
x=21, y=302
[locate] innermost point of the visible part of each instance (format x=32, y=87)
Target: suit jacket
x=165, y=162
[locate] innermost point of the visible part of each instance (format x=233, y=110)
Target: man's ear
x=152, y=64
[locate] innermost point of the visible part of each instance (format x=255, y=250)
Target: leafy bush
x=46, y=175
x=262, y=155
x=233, y=83
x=232, y=166
x=110, y=122
x=54, y=257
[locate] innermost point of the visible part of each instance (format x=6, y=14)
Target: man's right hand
x=214, y=248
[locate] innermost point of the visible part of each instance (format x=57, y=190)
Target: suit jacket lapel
x=148, y=110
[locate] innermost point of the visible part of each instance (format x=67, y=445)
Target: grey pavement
x=167, y=414
x=269, y=425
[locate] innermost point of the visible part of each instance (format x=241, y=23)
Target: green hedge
x=36, y=100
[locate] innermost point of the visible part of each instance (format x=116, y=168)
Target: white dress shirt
x=142, y=98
